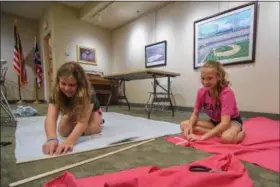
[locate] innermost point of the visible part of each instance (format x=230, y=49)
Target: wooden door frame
x=47, y=65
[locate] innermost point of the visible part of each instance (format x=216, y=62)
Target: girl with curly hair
x=81, y=114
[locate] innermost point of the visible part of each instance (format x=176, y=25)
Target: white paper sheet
x=30, y=134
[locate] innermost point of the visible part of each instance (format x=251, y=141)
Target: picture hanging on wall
x=86, y=55
x=228, y=37
x=155, y=54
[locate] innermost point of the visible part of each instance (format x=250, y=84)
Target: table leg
x=124, y=95
x=109, y=98
x=127, y=102
x=154, y=97
x=169, y=98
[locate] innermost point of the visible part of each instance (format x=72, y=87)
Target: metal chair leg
x=4, y=90
x=147, y=104
x=5, y=105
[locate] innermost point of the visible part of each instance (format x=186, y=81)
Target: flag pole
x=19, y=91
x=36, y=79
x=19, y=81
x=36, y=86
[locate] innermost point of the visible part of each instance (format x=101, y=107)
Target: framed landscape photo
x=86, y=55
x=228, y=37
x=155, y=54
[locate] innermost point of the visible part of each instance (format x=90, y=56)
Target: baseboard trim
x=27, y=101
x=246, y=114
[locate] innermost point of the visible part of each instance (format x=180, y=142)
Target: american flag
x=19, y=64
x=38, y=65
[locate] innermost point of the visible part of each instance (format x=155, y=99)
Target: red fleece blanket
x=260, y=146
x=234, y=175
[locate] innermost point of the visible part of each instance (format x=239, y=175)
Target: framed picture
x=228, y=37
x=86, y=55
x=155, y=54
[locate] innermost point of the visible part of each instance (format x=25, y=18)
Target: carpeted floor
x=157, y=152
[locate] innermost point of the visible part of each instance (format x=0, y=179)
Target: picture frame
x=86, y=55
x=228, y=37
x=155, y=54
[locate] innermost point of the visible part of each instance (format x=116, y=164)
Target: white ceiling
x=116, y=14
x=31, y=9
x=110, y=15
x=75, y=4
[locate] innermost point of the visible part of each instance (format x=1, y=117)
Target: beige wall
x=68, y=31
x=28, y=29
x=256, y=85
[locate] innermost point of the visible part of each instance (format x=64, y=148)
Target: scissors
x=199, y=168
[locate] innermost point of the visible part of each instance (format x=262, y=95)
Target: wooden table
x=146, y=74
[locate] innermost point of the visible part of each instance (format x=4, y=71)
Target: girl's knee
x=232, y=138
x=228, y=138
x=182, y=127
x=93, y=128
x=96, y=118
x=240, y=136
x=184, y=124
x=233, y=135
x=95, y=124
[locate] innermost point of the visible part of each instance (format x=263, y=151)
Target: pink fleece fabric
x=261, y=145
x=234, y=174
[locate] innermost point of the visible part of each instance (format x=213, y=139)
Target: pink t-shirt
x=227, y=104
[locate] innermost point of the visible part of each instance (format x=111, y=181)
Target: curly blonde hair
x=223, y=82
x=79, y=103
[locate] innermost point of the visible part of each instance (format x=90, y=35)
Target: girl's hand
x=194, y=137
x=187, y=132
x=50, y=147
x=64, y=148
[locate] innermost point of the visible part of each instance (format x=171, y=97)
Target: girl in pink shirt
x=217, y=100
